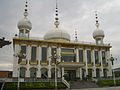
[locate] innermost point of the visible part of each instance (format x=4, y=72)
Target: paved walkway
x=106, y=88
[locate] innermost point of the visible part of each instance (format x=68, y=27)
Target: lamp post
x=20, y=56
x=18, y=84
x=55, y=57
x=112, y=60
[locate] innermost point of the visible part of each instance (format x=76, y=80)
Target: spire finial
x=76, y=39
x=56, y=16
x=26, y=10
x=96, y=16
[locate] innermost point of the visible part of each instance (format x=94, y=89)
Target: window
x=97, y=73
x=103, y=57
x=33, y=53
x=44, y=54
x=23, y=49
x=67, y=55
x=80, y=55
x=88, y=56
x=96, y=57
x=22, y=72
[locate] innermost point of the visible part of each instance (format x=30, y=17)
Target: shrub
x=33, y=85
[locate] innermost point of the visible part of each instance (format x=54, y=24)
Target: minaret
x=76, y=38
x=24, y=25
x=56, y=16
x=98, y=34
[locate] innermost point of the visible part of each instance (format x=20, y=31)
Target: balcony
x=44, y=63
x=105, y=64
x=98, y=64
x=71, y=64
x=23, y=62
x=33, y=62
x=90, y=64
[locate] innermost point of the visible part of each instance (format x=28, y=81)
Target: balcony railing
x=98, y=64
x=44, y=63
x=23, y=62
x=33, y=62
x=90, y=64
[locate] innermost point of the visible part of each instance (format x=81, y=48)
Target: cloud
x=73, y=14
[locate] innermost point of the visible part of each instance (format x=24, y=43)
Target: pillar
x=94, y=67
x=77, y=54
x=49, y=55
x=62, y=72
x=100, y=59
x=109, y=72
x=85, y=60
x=15, y=62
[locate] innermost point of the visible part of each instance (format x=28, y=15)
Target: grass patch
x=105, y=83
x=33, y=85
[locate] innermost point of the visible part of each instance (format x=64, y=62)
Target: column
x=85, y=60
x=94, y=67
x=62, y=72
x=78, y=73
x=109, y=72
x=28, y=58
x=77, y=54
x=80, y=69
x=59, y=73
x=15, y=62
x=39, y=59
x=59, y=53
x=100, y=59
x=49, y=72
x=49, y=55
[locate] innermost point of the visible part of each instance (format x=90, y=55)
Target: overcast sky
x=73, y=14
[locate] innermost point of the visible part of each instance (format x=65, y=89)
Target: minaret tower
x=56, y=16
x=24, y=25
x=76, y=38
x=98, y=34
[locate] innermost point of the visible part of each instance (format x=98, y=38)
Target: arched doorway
x=97, y=73
x=33, y=73
x=22, y=72
x=44, y=73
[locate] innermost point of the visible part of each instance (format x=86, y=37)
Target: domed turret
x=98, y=34
x=24, y=25
x=57, y=35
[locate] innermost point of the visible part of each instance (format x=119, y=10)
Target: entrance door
x=70, y=75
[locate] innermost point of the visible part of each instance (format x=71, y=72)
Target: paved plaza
x=106, y=88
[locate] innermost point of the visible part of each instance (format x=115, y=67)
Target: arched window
x=22, y=72
x=33, y=72
x=97, y=73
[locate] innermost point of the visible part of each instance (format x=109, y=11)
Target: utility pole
x=112, y=59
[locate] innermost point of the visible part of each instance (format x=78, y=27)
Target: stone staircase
x=82, y=84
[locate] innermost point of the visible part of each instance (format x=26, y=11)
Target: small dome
x=24, y=23
x=98, y=33
x=57, y=35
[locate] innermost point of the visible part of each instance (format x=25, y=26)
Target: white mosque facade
x=36, y=58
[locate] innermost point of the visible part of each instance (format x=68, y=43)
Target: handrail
x=3, y=85
x=65, y=82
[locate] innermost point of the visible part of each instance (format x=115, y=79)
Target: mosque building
x=36, y=57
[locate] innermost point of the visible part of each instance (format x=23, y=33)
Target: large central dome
x=56, y=35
